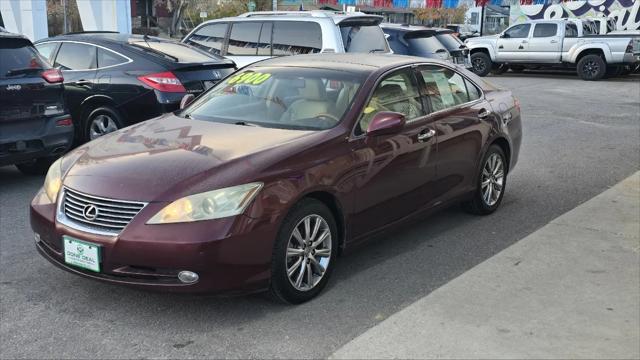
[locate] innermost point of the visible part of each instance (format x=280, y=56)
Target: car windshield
x=280, y=97
x=449, y=41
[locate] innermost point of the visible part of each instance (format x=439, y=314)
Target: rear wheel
x=592, y=67
x=101, y=121
x=304, y=253
x=481, y=63
x=36, y=166
x=491, y=183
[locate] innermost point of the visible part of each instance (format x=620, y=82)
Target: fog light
x=187, y=277
x=37, y=237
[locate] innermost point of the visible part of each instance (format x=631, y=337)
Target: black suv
x=35, y=127
x=436, y=43
x=113, y=80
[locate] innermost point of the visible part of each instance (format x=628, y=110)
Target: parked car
x=260, y=35
x=551, y=43
x=262, y=181
x=435, y=43
x=35, y=127
x=114, y=80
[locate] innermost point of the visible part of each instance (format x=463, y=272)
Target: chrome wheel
x=101, y=125
x=492, y=179
x=308, y=252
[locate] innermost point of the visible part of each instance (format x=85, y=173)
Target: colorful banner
x=626, y=12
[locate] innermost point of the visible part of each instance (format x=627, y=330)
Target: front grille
x=96, y=214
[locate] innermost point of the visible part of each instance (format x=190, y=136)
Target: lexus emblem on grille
x=90, y=212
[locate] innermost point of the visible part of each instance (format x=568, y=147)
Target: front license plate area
x=82, y=254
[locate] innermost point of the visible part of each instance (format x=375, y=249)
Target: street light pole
x=64, y=16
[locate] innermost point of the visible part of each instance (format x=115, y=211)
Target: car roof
x=5, y=34
x=412, y=28
x=104, y=37
x=354, y=62
x=336, y=16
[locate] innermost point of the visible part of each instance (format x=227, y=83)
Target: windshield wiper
x=377, y=50
x=23, y=71
x=246, y=123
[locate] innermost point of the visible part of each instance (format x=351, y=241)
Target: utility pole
x=64, y=16
x=275, y=5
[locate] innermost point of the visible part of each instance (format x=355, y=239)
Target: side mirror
x=186, y=100
x=505, y=36
x=386, y=122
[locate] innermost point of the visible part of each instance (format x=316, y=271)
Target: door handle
x=525, y=41
x=425, y=135
x=500, y=47
x=554, y=41
x=483, y=114
x=83, y=82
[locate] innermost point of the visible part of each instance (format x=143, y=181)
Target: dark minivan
x=434, y=43
x=113, y=80
x=35, y=127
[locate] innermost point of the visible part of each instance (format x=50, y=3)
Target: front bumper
x=231, y=255
x=51, y=140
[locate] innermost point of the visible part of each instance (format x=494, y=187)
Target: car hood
x=168, y=157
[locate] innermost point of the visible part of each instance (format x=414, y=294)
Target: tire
x=481, y=63
x=499, y=69
x=284, y=288
x=478, y=204
x=101, y=121
x=517, y=68
x=592, y=68
x=36, y=166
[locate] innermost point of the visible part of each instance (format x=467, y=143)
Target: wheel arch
x=582, y=52
x=94, y=102
x=334, y=205
x=503, y=143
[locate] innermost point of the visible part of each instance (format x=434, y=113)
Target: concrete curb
x=569, y=290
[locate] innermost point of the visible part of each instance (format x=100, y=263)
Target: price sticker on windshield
x=249, y=78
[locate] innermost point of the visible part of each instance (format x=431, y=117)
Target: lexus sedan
x=262, y=181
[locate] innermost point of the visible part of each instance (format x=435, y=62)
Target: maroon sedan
x=262, y=181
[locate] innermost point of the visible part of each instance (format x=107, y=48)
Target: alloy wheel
x=492, y=179
x=101, y=125
x=308, y=252
x=479, y=65
x=591, y=68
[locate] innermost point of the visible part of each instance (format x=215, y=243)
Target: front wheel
x=491, y=183
x=481, y=63
x=592, y=67
x=304, y=253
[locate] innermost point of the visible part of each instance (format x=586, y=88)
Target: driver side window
x=518, y=31
x=397, y=92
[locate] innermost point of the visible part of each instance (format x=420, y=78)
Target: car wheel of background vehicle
x=101, y=121
x=36, y=166
x=591, y=67
x=492, y=181
x=517, y=68
x=481, y=63
x=304, y=252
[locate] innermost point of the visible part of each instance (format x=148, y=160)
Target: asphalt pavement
x=580, y=138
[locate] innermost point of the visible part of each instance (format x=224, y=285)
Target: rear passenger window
x=244, y=38
x=109, y=58
x=73, y=56
x=571, y=31
x=209, y=38
x=397, y=92
x=47, y=49
x=474, y=92
x=443, y=87
x=545, y=30
x=296, y=37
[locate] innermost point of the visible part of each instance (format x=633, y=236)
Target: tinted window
x=571, y=31
x=174, y=51
x=244, y=38
x=396, y=43
x=73, y=56
x=18, y=58
x=264, y=45
x=209, y=38
x=443, y=87
x=474, y=92
x=280, y=97
x=424, y=46
x=545, y=30
x=518, y=31
x=47, y=49
x=450, y=42
x=109, y=58
x=363, y=38
x=296, y=37
x=397, y=92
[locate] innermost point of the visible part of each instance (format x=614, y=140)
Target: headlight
x=53, y=181
x=208, y=205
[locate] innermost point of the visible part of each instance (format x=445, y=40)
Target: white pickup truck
x=551, y=43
